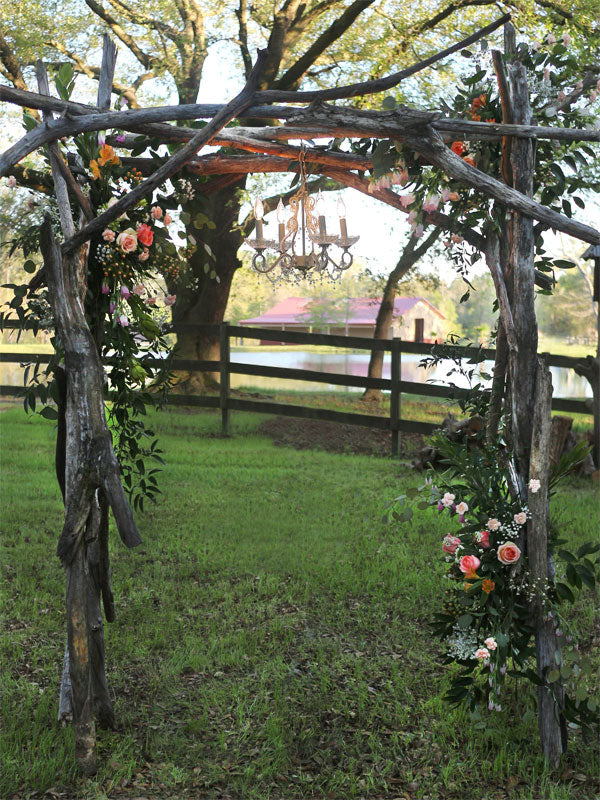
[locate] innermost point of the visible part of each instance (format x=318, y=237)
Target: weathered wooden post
x=224, y=352
x=395, y=400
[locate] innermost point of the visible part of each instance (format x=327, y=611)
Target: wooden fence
x=397, y=387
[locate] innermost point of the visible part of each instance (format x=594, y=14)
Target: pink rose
x=139, y=290
x=127, y=240
x=168, y=219
x=11, y=181
x=156, y=212
x=108, y=235
x=491, y=643
x=520, y=518
x=450, y=544
x=493, y=524
x=462, y=508
x=561, y=96
x=566, y=39
x=483, y=538
x=551, y=39
x=150, y=301
x=105, y=289
x=509, y=553
x=170, y=299
x=482, y=654
x=144, y=255
x=145, y=235
x=448, y=499
x=534, y=485
x=468, y=564
x=125, y=292
x=593, y=95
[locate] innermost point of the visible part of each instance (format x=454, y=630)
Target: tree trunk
x=385, y=315
x=200, y=298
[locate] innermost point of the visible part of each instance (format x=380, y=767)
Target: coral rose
x=483, y=538
x=127, y=240
x=458, y=148
x=468, y=564
x=450, y=544
x=145, y=235
x=509, y=553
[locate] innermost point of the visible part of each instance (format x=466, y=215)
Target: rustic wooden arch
x=87, y=468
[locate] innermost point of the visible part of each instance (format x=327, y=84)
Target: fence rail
x=395, y=385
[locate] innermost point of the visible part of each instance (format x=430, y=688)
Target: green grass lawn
x=271, y=638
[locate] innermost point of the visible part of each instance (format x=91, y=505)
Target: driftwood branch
x=550, y=696
x=174, y=164
x=492, y=258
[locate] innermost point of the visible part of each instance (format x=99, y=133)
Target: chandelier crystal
x=303, y=242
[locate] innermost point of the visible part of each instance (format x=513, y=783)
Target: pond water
x=566, y=383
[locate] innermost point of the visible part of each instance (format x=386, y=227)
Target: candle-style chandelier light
x=303, y=242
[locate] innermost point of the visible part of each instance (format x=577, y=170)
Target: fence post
x=395, y=398
x=224, y=376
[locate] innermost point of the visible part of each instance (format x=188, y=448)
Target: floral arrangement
x=485, y=617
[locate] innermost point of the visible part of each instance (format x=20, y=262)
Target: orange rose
x=488, y=586
x=127, y=240
x=470, y=160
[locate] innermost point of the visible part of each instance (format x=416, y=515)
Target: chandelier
x=303, y=242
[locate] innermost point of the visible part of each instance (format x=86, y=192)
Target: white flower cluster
x=461, y=643
x=528, y=587
x=186, y=190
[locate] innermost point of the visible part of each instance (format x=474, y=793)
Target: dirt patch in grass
x=334, y=437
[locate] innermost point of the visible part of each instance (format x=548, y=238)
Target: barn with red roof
x=415, y=318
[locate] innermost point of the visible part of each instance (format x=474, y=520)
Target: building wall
x=433, y=325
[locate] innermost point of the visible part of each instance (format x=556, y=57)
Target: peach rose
x=127, y=240
x=509, y=553
x=145, y=235
x=156, y=212
x=168, y=219
x=450, y=544
x=491, y=643
x=482, y=654
x=462, y=508
x=144, y=255
x=493, y=524
x=520, y=518
x=468, y=564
